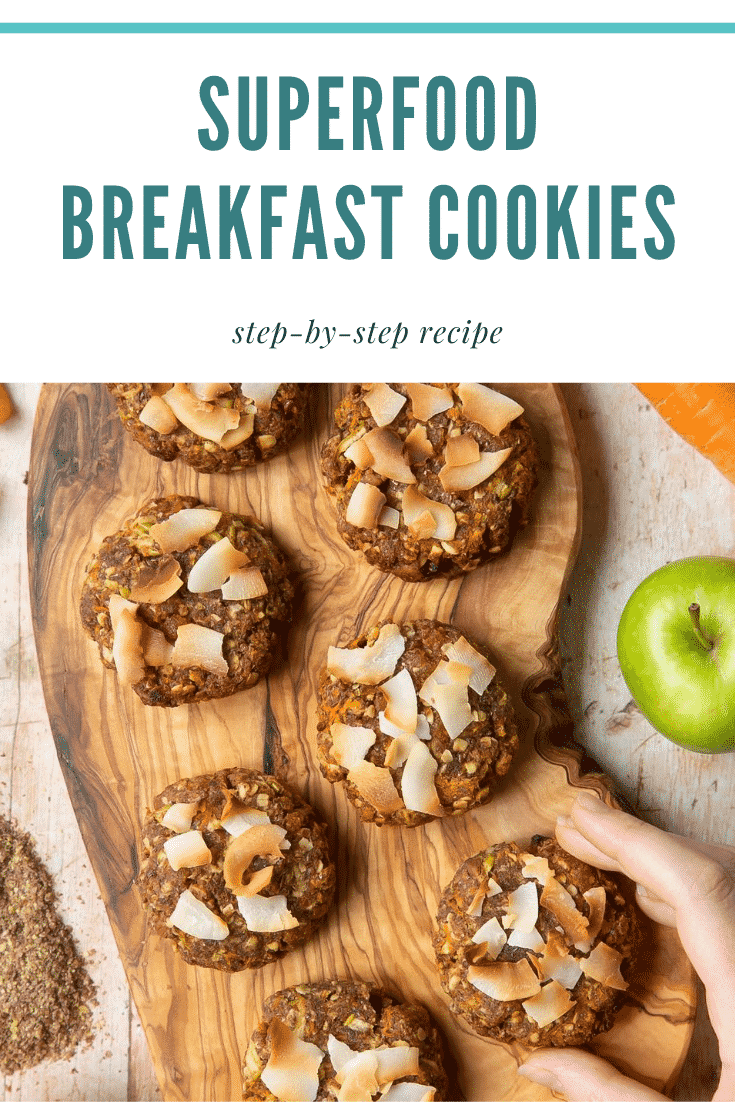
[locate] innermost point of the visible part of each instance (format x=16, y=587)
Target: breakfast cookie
x=236, y=869
x=212, y=426
x=415, y=723
x=187, y=603
x=536, y=946
x=320, y=1041
x=429, y=479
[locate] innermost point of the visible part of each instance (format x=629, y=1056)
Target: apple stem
x=694, y=613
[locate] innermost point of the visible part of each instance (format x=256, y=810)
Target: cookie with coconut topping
x=235, y=869
x=430, y=479
x=321, y=1041
x=212, y=426
x=415, y=723
x=187, y=603
x=536, y=946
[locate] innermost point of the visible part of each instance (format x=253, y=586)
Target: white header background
x=639, y=110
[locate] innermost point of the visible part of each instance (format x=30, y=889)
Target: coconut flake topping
x=371, y=664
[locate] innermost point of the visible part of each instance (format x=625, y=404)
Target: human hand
x=680, y=883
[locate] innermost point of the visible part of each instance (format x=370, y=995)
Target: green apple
x=676, y=646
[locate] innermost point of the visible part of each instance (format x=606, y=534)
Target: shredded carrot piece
x=703, y=414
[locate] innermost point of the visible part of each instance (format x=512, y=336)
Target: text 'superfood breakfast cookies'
x=187, y=603
x=536, y=946
x=236, y=869
x=212, y=426
x=412, y=718
x=429, y=479
x=321, y=1041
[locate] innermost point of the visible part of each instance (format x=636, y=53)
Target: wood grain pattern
x=86, y=476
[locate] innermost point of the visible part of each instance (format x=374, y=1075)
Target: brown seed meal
x=45, y=991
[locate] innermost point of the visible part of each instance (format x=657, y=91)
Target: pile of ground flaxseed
x=45, y=992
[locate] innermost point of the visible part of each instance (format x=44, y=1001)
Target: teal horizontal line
x=367, y=28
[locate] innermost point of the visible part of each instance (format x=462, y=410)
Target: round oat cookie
x=535, y=946
x=212, y=426
x=414, y=721
x=310, y=1042
x=190, y=608
x=429, y=479
x=236, y=869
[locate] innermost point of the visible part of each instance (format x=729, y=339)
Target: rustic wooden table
x=649, y=498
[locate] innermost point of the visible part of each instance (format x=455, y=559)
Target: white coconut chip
x=402, y=705
x=213, y=568
x=492, y=935
x=371, y=664
x=376, y=786
x=458, y=479
x=557, y=963
x=551, y=1003
x=453, y=707
x=417, y=781
x=359, y=1080
x=204, y=419
x=365, y=505
x=266, y=914
x=237, y=822
x=493, y=888
x=427, y=401
x=156, y=415
x=522, y=911
x=536, y=868
x=527, y=939
x=127, y=647
x=487, y=407
x=388, y=460
x=408, y=1092
x=415, y=504
x=187, y=850
x=556, y=899
x=603, y=965
x=261, y=840
x=178, y=817
x=245, y=584
x=400, y=747
x=395, y=1062
x=417, y=447
x=350, y=744
x=403, y=741
x=205, y=392
x=157, y=650
x=242, y=432
x=184, y=529
x=292, y=1071
x=115, y=606
x=359, y=454
x=389, y=517
x=504, y=980
x=464, y=653
x=475, y=908
x=199, y=647
x=424, y=526
x=157, y=580
x=461, y=450
x=193, y=917
x=339, y=1053
x=384, y=403
x=596, y=901
x=260, y=393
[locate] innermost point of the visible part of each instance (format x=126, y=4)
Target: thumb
x=581, y=1077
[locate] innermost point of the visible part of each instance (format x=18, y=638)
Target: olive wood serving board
x=87, y=476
